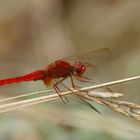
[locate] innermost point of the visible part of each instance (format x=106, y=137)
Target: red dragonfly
x=62, y=69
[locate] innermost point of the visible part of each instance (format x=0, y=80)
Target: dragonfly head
x=79, y=68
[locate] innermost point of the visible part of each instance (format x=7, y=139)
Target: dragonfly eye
x=79, y=68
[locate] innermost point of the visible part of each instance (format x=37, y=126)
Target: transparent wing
x=82, y=100
x=93, y=57
x=114, y=102
x=123, y=107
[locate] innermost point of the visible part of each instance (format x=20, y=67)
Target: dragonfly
x=73, y=67
x=76, y=67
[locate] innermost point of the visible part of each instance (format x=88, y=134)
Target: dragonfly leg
x=72, y=82
x=85, y=79
x=56, y=88
x=83, y=98
x=76, y=87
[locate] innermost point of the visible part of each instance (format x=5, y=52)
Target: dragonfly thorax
x=79, y=68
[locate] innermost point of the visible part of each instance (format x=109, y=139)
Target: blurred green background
x=33, y=33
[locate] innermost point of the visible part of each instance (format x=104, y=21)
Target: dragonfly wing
x=123, y=107
x=93, y=57
x=85, y=102
x=81, y=99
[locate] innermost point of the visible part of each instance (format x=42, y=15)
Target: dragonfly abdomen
x=34, y=76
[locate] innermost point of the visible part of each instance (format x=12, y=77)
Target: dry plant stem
x=87, y=88
x=113, y=83
x=25, y=103
x=25, y=95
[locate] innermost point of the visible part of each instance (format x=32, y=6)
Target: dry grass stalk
x=106, y=98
